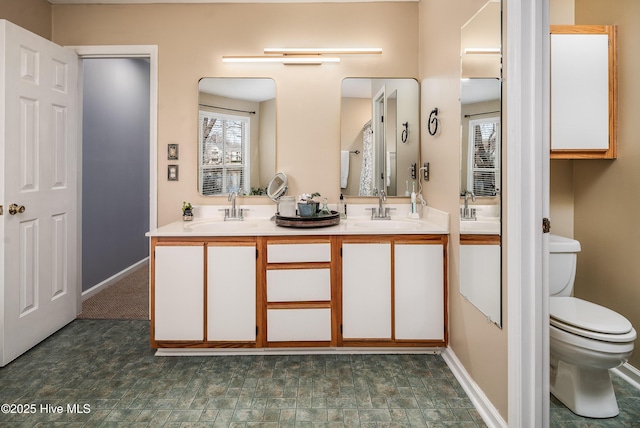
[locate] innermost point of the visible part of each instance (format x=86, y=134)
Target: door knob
x=15, y=209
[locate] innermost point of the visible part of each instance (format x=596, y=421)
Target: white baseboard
x=629, y=374
x=112, y=280
x=487, y=410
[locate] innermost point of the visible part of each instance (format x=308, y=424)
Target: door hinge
x=1, y=210
x=546, y=225
x=256, y=331
x=340, y=328
x=340, y=252
x=256, y=254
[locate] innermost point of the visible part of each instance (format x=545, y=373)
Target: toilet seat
x=589, y=320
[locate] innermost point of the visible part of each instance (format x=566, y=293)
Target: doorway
x=118, y=184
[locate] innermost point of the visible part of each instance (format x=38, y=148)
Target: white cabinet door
x=231, y=293
x=179, y=292
x=366, y=291
x=419, y=291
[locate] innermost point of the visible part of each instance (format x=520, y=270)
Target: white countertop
x=208, y=221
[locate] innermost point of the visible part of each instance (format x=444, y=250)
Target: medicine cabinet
x=583, y=92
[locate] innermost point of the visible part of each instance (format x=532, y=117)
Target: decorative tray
x=319, y=220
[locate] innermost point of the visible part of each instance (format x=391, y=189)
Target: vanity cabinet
x=583, y=92
x=231, y=291
x=393, y=290
x=204, y=292
x=299, y=292
x=177, y=297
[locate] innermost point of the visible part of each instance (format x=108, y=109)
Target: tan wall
x=606, y=192
x=561, y=208
x=34, y=15
x=480, y=346
x=193, y=38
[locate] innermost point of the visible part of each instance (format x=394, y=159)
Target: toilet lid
x=587, y=316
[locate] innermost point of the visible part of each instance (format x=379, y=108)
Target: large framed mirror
x=236, y=135
x=380, y=136
x=481, y=161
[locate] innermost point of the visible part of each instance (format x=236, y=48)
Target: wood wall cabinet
x=583, y=92
x=393, y=290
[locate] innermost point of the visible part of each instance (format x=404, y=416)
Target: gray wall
x=115, y=166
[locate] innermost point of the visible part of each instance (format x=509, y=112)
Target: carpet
x=126, y=299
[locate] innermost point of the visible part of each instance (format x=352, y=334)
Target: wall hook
x=432, y=124
x=405, y=133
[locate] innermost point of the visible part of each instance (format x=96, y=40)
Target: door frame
x=528, y=115
x=123, y=51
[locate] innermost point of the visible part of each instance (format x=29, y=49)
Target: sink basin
x=389, y=224
x=220, y=225
x=480, y=227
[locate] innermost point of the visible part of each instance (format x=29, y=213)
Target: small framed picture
x=172, y=172
x=172, y=152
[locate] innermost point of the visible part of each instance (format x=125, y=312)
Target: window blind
x=484, y=146
x=224, y=148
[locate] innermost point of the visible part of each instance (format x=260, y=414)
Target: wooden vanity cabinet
x=299, y=292
x=583, y=92
x=204, y=292
x=393, y=290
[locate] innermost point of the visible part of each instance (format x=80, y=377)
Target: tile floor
x=107, y=369
x=109, y=366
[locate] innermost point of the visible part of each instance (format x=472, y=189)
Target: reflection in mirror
x=480, y=161
x=380, y=130
x=236, y=135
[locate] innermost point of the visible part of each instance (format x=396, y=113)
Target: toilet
x=586, y=340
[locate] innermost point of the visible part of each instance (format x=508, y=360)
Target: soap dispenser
x=342, y=207
x=413, y=213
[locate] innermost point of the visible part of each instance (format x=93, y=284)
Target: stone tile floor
x=106, y=369
x=109, y=366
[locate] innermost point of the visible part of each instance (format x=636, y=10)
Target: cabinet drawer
x=298, y=285
x=292, y=253
x=304, y=325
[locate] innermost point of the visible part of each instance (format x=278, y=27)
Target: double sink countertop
x=209, y=221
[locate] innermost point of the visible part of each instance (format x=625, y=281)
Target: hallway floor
x=109, y=366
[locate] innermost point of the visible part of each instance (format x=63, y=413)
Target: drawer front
x=298, y=285
x=299, y=325
x=297, y=253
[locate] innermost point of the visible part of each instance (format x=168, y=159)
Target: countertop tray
x=320, y=220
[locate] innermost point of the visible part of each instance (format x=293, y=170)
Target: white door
x=38, y=150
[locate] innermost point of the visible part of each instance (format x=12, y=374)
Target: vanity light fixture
x=301, y=56
x=322, y=51
x=300, y=60
x=485, y=51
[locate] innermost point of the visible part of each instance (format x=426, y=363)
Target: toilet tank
x=563, y=255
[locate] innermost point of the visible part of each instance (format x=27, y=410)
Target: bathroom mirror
x=480, y=161
x=379, y=136
x=236, y=135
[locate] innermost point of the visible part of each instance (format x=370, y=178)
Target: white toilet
x=586, y=340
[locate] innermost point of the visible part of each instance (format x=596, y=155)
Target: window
x=224, y=153
x=483, y=174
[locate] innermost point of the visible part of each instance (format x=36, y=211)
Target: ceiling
x=215, y=1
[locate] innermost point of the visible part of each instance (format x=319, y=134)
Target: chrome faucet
x=233, y=213
x=468, y=213
x=382, y=212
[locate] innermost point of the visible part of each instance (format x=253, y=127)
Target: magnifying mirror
x=277, y=187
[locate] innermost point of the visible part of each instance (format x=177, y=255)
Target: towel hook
x=405, y=133
x=432, y=124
